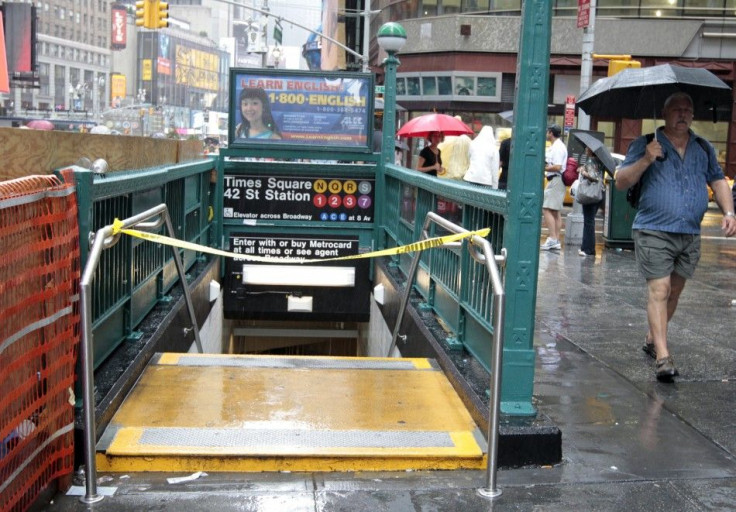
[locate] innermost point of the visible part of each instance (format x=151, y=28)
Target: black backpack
x=634, y=192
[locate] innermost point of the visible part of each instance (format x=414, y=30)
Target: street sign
x=583, y=13
x=277, y=32
x=380, y=89
x=569, y=112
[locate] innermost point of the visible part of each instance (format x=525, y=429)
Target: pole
x=366, y=33
x=586, y=64
x=389, y=130
x=574, y=219
x=264, y=29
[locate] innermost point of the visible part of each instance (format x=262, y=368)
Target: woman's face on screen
x=252, y=109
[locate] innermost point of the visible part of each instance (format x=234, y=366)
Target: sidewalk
x=629, y=442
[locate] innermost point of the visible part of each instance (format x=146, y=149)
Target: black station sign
x=298, y=198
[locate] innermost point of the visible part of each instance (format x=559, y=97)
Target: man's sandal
x=666, y=369
x=650, y=350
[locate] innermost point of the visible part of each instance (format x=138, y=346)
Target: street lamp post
x=392, y=38
x=96, y=87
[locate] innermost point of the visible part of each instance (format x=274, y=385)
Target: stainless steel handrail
x=105, y=238
x=481, y=251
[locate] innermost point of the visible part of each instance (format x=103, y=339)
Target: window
x=450, y=6
x=444, y=85
x=400, y=87
x=412, y=86
x=459, y=86
x=429, y=8
x=477, y=5
x=486, y=86
x=429, y=86
x=464, y=86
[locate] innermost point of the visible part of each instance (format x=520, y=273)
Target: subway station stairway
x=195, y=412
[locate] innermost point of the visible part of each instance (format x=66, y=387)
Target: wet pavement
x=630, y=443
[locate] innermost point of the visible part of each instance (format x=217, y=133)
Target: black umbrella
x=637, y=93
x=598, y=148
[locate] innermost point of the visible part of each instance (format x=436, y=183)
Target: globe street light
x=392, y=38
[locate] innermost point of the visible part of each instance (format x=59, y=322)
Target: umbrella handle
x=659, y=158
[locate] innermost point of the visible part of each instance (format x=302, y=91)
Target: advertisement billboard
x=20, y=41
x=270, y=106
x=119, y=34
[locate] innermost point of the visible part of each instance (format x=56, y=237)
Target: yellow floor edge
x=120, y=464
x=258, y=414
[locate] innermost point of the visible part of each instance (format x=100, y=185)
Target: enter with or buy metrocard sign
x=300, y=107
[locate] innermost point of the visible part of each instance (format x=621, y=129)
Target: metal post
x=183, y=280
x=491, y=262
x=88, y=391
x=524, y=197
x=366, y=33
x=494, y=405
x=574, y=219
x=391, y=37
x=104, y=239
x=586, y=63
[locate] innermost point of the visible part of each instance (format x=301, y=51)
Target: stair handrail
x=106, y=238
x=481, y=251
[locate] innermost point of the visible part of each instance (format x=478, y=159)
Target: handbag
x=571, y=172
x=589, y=192
x=590, y=184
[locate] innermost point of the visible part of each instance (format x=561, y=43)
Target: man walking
x=554, y=194
x=674, y=169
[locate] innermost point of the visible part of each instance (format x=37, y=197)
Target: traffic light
x=142, y=13
x=151, y=14
x=614, y=66
x=618, y=63
x=161, y=15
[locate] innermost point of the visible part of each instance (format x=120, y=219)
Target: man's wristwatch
x=729, y=214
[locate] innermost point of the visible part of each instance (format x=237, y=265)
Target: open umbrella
x=424, y=125
x=100, y=129
x=637, y=93
x=40, y=124
x=507, y=115
x=400, y=144
x=598, y=148
x=378, y=105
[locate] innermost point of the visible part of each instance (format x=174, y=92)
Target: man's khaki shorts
x=659, y=253
x=554, y=194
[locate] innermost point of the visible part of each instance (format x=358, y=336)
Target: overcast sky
x=304, y=12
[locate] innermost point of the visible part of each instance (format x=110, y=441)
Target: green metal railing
x=451, y=283
x=135, y=275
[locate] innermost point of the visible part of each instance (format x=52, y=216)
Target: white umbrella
x=100, y=129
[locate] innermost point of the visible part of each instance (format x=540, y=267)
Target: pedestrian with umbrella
x=430, y=157
x=673, y=165
x=434, y=127
x=598, y=161
x=674, y=168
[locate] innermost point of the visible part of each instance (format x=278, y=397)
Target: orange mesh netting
x=39, y=335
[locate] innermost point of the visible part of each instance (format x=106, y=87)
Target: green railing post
x=391, y=37
x=523, y=226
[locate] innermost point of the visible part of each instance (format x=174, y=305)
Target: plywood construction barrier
x=39, y=335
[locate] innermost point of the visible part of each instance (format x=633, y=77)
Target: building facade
x=460, y=57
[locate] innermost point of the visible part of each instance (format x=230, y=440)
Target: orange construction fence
x=39, y=335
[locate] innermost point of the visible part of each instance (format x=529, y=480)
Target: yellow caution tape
x=429, y=243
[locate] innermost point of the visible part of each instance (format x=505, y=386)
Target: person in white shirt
x=554, y=193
